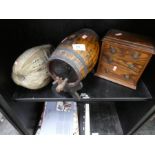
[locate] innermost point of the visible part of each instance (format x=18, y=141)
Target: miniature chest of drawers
x=123, y=57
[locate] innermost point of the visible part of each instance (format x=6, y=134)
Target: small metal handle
x=126, y=76
x=136, y=55
x=112, y=50
x=131, y=66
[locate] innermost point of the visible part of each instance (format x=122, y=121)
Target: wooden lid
x=131, y=39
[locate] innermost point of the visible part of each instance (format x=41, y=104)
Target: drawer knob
x=136, y=55
x=112, y=50
x=131, y=66
x=126, y=76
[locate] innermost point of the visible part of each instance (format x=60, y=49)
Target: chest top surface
x=131, y=39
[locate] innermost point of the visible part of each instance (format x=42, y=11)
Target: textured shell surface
x=30, y=68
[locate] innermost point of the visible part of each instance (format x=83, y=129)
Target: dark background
x=19, y=35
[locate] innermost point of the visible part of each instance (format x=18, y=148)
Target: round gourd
x=30, y=69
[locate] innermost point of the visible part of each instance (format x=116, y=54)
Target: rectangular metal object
x=59, y=118
x=87, y=119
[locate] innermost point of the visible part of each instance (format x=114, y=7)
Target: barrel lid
x=131, y=39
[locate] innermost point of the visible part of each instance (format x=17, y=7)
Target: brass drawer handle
x=112, y=50
x=126, y=76
x=136, y=55
x=131, y=66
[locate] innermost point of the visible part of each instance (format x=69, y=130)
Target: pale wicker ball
x=30, y=68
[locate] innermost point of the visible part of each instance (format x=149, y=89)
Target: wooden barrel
x=75, y=56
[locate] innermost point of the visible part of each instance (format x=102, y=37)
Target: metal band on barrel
x=77, y=56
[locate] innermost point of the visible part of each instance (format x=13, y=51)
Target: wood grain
x=120, y=61
x=83, y=60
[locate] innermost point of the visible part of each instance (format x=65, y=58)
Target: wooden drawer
x=118, y=73
x=129, y=65
x=123, y=61
x=125, y=53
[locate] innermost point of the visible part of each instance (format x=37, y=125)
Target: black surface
x=148, y=127
x=98, y=89
x=28, y=114
x=149, y=77
x=11, y=115
x=131, y=113
x=24, y=116
x=81, y=119
x=104, y=119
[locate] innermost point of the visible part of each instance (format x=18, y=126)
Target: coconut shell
x=30, y=68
